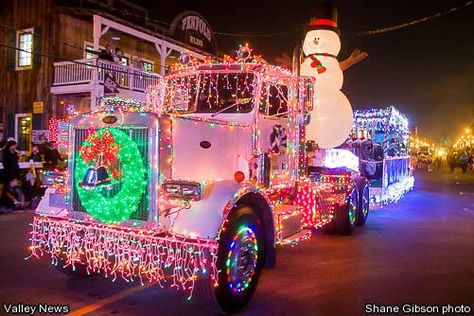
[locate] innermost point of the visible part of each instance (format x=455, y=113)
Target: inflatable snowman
x=331, y=118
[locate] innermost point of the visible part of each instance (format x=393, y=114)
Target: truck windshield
x=211, y=93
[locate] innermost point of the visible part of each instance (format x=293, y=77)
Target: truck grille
x=140, y=136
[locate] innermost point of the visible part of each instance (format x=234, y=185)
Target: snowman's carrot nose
x=315, y=42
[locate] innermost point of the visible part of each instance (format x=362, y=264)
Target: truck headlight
x=53, y=178
x=182, y=189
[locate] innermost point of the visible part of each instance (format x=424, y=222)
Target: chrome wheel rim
x=241, y=263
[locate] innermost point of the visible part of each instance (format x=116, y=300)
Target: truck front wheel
x=240, y=259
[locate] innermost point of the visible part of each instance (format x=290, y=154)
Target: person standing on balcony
x=137, y=63
x=106, y=53
x=118, y=55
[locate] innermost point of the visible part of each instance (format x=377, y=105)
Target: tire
x=363, y=204
x=241, y=241
x=345, y=215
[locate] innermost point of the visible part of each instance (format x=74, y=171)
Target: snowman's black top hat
x=324, y=18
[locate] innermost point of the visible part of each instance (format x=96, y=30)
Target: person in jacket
x=11, y=169
x=35, y=154
x=14, y=197
x=51, y=156
x=106, y=53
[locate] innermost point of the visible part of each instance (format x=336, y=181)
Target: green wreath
x=118, y=207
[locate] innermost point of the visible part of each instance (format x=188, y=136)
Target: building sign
x=192, y=29
x=110, y=85
x=39, y=137
x=38, y=107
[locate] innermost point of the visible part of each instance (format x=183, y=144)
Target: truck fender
x=205, y=218
x=261, y=205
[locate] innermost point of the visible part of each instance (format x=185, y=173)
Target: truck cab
x=254, y=108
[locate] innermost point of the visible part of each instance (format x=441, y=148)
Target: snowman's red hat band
x=323, y=22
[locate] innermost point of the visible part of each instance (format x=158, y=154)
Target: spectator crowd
x=22, y=188
x=463, y=159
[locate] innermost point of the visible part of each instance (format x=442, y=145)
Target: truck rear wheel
x=363, y=205
x=345, y=215
x=240, y=259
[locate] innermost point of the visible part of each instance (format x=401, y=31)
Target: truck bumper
x=127, y=253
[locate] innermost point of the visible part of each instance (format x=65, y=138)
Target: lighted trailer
x=203, y=182
x=381, y=142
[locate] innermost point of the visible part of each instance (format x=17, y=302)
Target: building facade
x=51, y=58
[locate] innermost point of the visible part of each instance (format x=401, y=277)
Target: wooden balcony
x=92, y=72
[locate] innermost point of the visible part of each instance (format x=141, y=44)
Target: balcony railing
x=94, y=70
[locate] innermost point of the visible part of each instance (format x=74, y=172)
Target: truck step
x=296, y=238
x=288, y=220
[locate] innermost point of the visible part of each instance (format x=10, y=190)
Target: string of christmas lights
x=394, y=192
x=382, y=119
x=388, y=122
x=58, y=128
x=129, y=254
x=118, y=104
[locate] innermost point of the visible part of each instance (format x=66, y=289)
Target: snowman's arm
x=356, y=56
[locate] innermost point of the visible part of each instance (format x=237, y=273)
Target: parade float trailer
x=382, y=145
x=203, y=182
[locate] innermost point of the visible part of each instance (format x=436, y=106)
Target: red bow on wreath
x=102, y=148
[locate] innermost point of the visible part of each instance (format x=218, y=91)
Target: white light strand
x=129, y=254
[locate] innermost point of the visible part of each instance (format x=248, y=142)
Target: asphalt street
x=417, y=251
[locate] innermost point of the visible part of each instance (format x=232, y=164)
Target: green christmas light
x=99, y=203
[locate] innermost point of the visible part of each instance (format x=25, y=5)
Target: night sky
x=425, y=70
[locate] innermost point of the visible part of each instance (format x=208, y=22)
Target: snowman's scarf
x=315, y=63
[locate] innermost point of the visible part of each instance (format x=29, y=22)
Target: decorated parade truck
x=199, y=186
x=205, y=181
